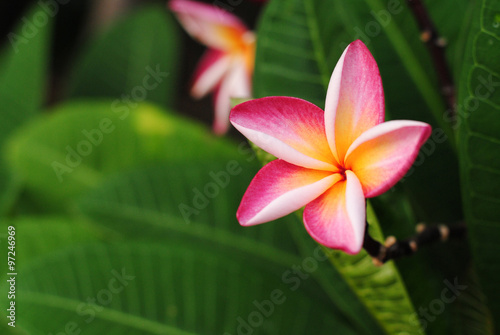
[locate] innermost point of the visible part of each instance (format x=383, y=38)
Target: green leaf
x=191, y=278
x=423, y=273
x=40, y=235
x=479, y=143
x=474, y=315
x=155, y=196
x=8, y=330
x=381, y=288
x=334, y=284
x=37, y=236
x=10, y=187
x=23, y=66
x=385, y=306
x=23, y=70
x=62, y=155
x=136, y=60
x=139, y=288
x=204, y=197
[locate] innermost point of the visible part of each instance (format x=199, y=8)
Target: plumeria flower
x=328, y=161
x=227, y=67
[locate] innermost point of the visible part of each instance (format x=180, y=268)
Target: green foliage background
x=134, y=203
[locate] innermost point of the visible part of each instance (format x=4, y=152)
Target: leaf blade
x=23, y=79
x=478, y=140
x=135, y=60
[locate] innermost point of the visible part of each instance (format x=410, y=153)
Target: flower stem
x=436, y=46
x=393, y=249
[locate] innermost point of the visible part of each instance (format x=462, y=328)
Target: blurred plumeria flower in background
x=227, y=66
x=331, y=160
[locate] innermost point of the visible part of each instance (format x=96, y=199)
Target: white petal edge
x=356, y=210
x=381, y=129
x=332, y=101
x=209, y=78
x=235, y=84
x=282, y=150
x=292, y=201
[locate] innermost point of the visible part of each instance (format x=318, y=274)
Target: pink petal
x=355, y=98
x=289, y=128
x=209, y=24
x=383, y=154
x=279, y=189
x=236, y=84
x=212, y=67
x=336, y=219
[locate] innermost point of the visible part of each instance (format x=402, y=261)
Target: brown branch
x=436, y=46
x=393, y=249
